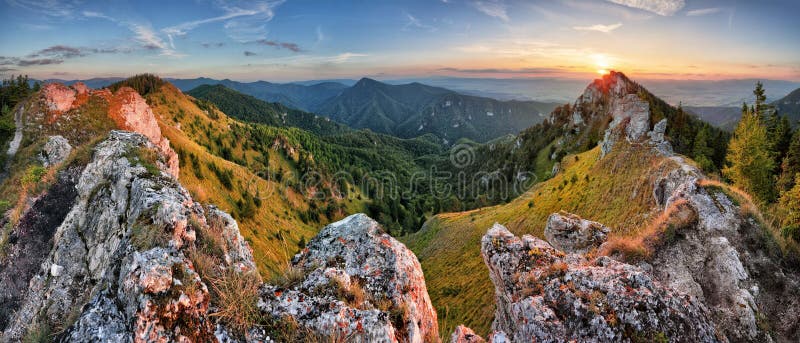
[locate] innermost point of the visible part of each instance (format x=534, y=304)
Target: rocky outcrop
x=726, y=262
x=463, y=334
x=546, y=295
x=358, y=283
x=55, y=151
x=115, y=267
x=57, y=97
x=131, y=112
x=571, y=233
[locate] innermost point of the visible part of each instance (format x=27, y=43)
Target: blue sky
x=306, y=39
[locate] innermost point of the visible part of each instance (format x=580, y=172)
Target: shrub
x=33, y=175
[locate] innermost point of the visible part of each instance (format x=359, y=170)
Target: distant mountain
x=413, y=109
x=723, y=117
x=248, y=108
x=300, y=96
x=99, y=82
x=790, y=106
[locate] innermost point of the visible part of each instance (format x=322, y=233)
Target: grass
x=236, y=295
x=193, y=132
x=662, y=230
x=616, y=191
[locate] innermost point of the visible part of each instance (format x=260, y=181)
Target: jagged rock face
x=546, y=295
x=571, y=233
x=55, y=151
x=58, y=98
x=116, y=269
x=132, y=113
x=725, y=262
x=357, y=256
x=463, y=334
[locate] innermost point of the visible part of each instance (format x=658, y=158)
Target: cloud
x=249, y=53
x=42, y=61
x=660, y=7
x=59, y=51
x=503, y=70
x=413, y=22
x=50, y=8
x=280, y=45
x=248, y=28
x=344, y=57
x=492, y=8
x=149, y=40
x=213, y=45
x=598, y=28
x=5, y=70
x=704, y=11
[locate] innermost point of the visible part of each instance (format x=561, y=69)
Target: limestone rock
x=546, y=295
x=463, y=334
x=116, y=264
x=131, y=112
x=55, y=151
x=723, y=262
x=355, y=256
x=570, y=233
x=57, y=97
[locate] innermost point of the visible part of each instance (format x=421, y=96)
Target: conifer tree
x=703, y=152
x=790, y=204
x=750, y=162
x=790, y=164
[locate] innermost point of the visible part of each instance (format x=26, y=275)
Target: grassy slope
x=275, y=229
x=616, y=191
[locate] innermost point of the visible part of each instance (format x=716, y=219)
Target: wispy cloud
x=344, y=57
x=262, y=10
x=212, y=45
x=598, y=27
x=704, y=11
x=249, y=53
x=660, y=7
x=492, y=8
x=280, y=45
x=25, y=62
x=413, y=22
x=249, y=27
x=50, y=8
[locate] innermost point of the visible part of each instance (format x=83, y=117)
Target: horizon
x=292, y=41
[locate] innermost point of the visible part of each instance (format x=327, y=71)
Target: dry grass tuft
x=661, y=230
x=236, y=295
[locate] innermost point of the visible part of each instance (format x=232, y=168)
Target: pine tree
x=750, y=162
x=790, y=205
x=790, y=164
x=703, y=153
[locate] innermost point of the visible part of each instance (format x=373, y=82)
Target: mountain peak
x=365, y=81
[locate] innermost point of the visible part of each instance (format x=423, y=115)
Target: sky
x=326, y=39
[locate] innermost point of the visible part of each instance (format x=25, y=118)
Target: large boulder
x=57, y=97
x=545, y=295
x=571, y=233
x=359, y=283
x=55, y=151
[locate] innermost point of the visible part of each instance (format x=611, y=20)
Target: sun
x=602, y=64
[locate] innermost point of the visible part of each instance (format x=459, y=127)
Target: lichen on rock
x=359, y=283
x=545, y=295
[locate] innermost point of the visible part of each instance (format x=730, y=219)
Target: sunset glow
x=300, y=40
